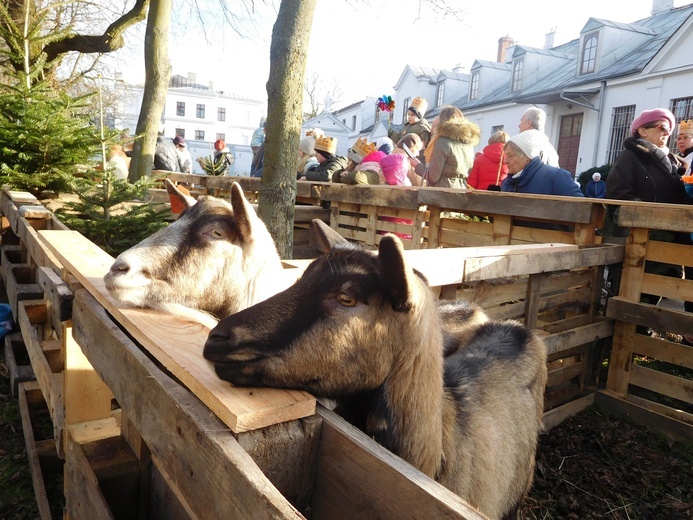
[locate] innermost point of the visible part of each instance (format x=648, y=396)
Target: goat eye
x=217, y=234
x=346, y=300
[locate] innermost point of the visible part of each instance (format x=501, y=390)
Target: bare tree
x=290, y=37
x=315, y=92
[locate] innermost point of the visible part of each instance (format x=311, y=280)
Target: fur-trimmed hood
x=662, y=157
x=465, y=132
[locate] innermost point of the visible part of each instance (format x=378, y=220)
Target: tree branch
x=111, y=40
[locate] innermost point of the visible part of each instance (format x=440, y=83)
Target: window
x=518, y=67
x=221, y=136
x=474, y=86
x=353, y=122
x=405, y=106
x=496, y=128
x=199, y=135
x=621, y=118
x=180, y=132
x=180, y=108
x=221, y=114
x=200, y=111
x=682, y=108
x=440, y=94
x=589, y=55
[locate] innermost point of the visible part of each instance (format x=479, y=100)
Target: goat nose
x=120, y=267
x=218, y=344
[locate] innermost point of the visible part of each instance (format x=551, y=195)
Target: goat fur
x=216, y=259
x=466, y=412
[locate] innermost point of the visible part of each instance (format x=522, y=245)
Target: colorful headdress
x=326, y=144
x=386, y=104
x=686, y=126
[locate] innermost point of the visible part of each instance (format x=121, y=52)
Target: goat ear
x=322, y=237
x=396, y=274
x=242, y=210
x=178, y=196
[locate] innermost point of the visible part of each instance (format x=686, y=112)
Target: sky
x=363, y=46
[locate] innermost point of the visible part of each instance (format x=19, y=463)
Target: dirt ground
x=593, y=465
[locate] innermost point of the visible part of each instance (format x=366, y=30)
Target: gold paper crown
x=326, y=144
x=420, y=104
x=363, y=147
x=686, y=126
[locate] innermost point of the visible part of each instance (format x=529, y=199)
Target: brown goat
x=216, y=259
x=359, y=324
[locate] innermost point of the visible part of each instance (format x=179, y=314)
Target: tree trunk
x=290, y=37
x=157, y=76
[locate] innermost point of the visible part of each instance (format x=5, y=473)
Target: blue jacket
x=596, y=190
x=542, y=179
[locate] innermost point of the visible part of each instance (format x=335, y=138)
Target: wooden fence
x=147, y=430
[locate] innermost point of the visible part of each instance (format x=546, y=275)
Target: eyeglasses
x=683, y=136
x=661, y=127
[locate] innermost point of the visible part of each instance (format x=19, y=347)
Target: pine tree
x=107, y=215
x=44, y=133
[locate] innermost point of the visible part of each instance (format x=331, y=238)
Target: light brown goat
x=216, y=259
x=357, y=324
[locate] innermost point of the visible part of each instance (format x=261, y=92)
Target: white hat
x=596, y=176
x=530, y=142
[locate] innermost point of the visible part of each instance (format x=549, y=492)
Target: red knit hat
x=219, y=144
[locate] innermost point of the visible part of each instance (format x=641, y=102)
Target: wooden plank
x=667, y=411
x=83, y=496
x=667, y=351
x=557, y=415
x=590, y=333
x=388, y=196
x=177, y=344
x=31, y=452
x=613, y=403
x=562, y=209
x=670, y=253
x=564, y=374
x=18, y=373
x=211, y=469
x=621, y=358
x=662, y=383
x=354, y=472
x=85, y=396
x=656, y=317
x=668, y=286
x=532, y=300
x=672, y=217
x=91, y=431
x=50, y=383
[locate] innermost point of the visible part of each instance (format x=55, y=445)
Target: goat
x=216, y=259
x=359, y=324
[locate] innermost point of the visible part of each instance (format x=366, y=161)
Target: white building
x=201, y=115
x=591, y=87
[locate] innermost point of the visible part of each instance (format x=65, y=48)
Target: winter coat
x=326, y=170
x=452, y=154
x=422, y=128
x=643, y=171
x=166, y=155
x=687, y=156
x=305, y=164
x=538, y=177
x=595, y=189
x=485, y=169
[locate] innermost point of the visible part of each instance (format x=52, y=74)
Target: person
x=184, y=157
x=489, y=169
x=395, y=168
x=385, y=145
x=596, y=188
x=355, y=156
x=329, y=161
x=533, y=120
x=118, y=162
x=219, y=163
x=413, y=144
x=646, y=170
x=165, y=154
x=684, y=143
x=527, y=173
x=306, y=153
x=257, y=165
x=450, y=153
x=416, y=123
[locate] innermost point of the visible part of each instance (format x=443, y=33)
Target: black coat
x=165, y=155
x=642, y=171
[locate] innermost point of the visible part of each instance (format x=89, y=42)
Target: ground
x=593, y=465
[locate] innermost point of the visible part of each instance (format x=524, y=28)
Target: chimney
x=548, y=40
x=504, y=44
x=659, y=6
x=211, y=86
x=192, y=77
